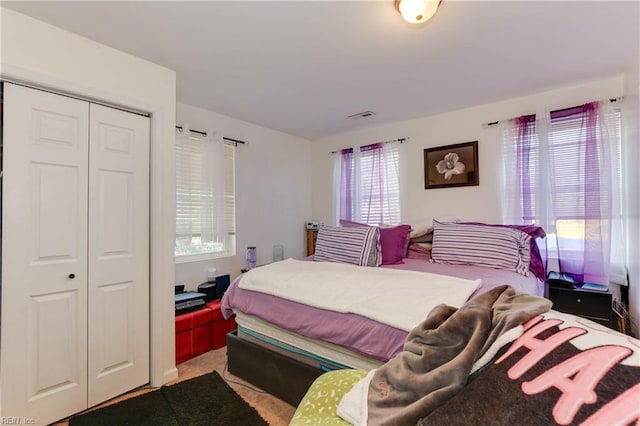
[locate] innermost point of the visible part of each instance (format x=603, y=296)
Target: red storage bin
x=193, y=334
x=183, y=338
x=220, y=326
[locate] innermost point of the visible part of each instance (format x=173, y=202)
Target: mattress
x=358, y=334
x=317, y=353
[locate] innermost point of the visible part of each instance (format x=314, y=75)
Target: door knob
x=72, y=276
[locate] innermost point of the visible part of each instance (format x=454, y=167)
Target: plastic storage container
x=250, y=258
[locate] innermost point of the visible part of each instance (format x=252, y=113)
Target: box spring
x=283, y=377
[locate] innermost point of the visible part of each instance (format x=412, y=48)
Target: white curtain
x=562, y=170
x=619, y=203
x=213, y=174
x=184, y=225
x=200, y=191
x=526, y=197
x=337, y=174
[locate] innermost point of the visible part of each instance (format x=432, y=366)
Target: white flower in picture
x=450, y=165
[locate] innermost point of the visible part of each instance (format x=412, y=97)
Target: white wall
x=478, y=203
x=273, y=196
x=632, y=139
x=45, y=56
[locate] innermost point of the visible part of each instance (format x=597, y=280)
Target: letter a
x=587, y=369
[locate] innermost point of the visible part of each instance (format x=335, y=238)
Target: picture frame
x=451, y=166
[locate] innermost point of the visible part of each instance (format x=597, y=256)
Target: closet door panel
x=118, y=253
x=116, y=215
x=117, y=310
x=49, y=329
x=44, y=256
x=54, y=213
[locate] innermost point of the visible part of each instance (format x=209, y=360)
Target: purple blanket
x=355, y=332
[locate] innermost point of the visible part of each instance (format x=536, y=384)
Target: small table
x=591, y=304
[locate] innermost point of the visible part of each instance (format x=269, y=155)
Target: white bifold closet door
x=118, y=309
x=75, y=254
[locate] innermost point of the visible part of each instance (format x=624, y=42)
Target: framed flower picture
x=451, y=165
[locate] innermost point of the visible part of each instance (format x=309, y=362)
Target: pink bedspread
x=357, y=333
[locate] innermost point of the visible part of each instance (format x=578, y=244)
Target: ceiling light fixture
x=417, y=11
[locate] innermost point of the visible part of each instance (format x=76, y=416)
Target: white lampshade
x=417, y=11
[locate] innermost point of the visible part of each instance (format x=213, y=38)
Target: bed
x=299, y=341
x=451, y=329
x=303, y=326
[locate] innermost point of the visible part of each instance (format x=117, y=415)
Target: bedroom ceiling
x=302, y=67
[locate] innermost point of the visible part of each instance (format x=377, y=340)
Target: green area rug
x=204, y=400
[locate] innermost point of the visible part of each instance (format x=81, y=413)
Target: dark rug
x=204, y=400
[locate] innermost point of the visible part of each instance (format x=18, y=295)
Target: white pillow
x=493, y=247
x=357, y=245
x=424, y=226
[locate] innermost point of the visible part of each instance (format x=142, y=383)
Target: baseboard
x=168, y=376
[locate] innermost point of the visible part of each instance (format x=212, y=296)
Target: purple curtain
x=584, y=196
x=346, y=184
x=526, y=131
x=526, y=158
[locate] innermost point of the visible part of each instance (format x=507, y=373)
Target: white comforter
x=361, y=290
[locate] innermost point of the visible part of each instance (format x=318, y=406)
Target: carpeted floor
x=203, y=400
x=270, y=408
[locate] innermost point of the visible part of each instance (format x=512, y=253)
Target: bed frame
x=283, y=377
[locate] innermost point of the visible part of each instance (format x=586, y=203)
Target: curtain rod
x=205, y=134
x=401, y=140
x=493, y=123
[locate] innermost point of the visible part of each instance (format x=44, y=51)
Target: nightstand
x=591, y=304
x=312, y=236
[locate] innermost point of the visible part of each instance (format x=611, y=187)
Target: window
x=581, y=182
x=205, y=197
x=369, y=184
x=564, y=172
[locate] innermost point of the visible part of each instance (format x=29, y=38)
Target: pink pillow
x=394, y=242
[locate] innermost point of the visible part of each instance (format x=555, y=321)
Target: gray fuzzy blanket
x=438, y=357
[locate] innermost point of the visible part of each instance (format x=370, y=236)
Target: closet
x=75, y=254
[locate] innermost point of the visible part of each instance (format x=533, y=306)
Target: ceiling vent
x=362, y=115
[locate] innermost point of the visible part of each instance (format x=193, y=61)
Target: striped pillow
x=358, y=245
x=493, y=247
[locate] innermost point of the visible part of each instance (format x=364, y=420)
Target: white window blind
x=561, y=165
x=205, y=198
x=569, y=160
x=380, y=185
